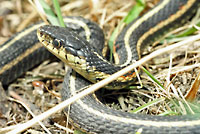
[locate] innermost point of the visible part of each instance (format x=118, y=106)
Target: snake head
x=57, y=39
x=65, y=44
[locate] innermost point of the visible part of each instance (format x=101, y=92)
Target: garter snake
x=88, y=114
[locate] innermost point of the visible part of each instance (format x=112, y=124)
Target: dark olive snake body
x=88, y=114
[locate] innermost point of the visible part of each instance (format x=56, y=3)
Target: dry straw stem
x=40, y=13
x=101, y=84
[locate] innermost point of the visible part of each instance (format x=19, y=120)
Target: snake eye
x=56, y=43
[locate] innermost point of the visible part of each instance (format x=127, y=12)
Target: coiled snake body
x=88, y=114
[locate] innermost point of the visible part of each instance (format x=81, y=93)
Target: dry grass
x=176, y=71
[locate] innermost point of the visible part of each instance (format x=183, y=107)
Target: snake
x=79, y=45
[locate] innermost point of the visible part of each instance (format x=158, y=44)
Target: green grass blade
x=135, y=11
x=78, y=132
x=188, y=31
x=49, y=13
x=147, y=105
x=152, y=77
x=58, y=12
x=168, y=113
x=133, y=14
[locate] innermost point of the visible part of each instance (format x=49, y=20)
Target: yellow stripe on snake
x=79, y=45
